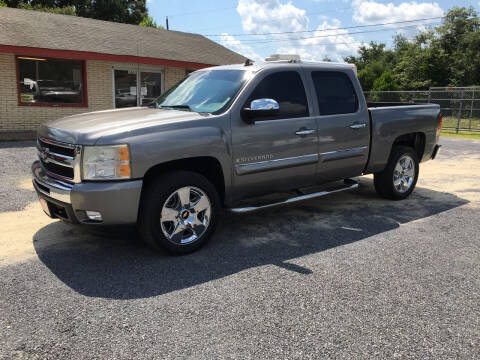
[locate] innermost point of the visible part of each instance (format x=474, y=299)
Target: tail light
x=439, y=128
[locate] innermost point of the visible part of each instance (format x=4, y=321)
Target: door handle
x=304, y=132
x=358, y=126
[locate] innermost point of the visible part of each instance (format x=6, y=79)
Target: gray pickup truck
x=224, y=137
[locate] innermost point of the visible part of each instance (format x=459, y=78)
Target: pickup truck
x=224, y=137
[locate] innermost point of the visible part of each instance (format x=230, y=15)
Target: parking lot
x=346, y=276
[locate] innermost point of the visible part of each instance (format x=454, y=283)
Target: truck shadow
x=113, y=263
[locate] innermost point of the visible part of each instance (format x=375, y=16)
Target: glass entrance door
x=128, y=93
x=125, y=88
x=150, y=87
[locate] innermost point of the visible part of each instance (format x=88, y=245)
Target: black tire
x=154, y=197
x=384, y=181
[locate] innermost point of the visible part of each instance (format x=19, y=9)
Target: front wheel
x=398, y=179
x=179, y=212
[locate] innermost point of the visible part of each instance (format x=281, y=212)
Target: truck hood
x=88, y=128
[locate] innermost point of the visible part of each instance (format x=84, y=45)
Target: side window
x=335, y=93
x=287, y=89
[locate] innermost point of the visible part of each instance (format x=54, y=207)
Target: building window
x=54, y=82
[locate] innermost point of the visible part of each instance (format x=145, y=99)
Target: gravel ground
x=349, y=276
x=15, y=161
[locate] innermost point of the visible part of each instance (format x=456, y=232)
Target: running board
x=348, y=184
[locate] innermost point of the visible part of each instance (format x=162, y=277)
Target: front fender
x=154, y=148
x=179, y=144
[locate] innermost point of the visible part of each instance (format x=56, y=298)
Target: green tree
x=459, y=41
x=368, y=73
x=371, y=63
x=124, y=11
x=445, y=55
x=442, y=56
x=67, y=10
x=385, y=82
x=149, y=22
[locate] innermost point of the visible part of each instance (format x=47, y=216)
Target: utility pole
x=166, y=20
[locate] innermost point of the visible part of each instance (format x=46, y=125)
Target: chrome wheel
x=185, y=215
x=404, y=174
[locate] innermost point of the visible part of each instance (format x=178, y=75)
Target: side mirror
x=260, y=108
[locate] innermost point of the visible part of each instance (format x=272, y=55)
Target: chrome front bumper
x=117, y=201
x=56, y=189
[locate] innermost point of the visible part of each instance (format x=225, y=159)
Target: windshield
x=207, y=91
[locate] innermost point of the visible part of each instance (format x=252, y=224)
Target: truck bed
x=377, y=104
x=389, y=121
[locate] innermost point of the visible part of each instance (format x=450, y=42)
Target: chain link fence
x=459, y=106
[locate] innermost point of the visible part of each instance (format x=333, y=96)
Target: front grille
x=58, y=169
x=58, y=159
x=56, y=148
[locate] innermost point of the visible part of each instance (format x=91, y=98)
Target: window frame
x=83, y=104
x=139, y=69
x=343, y=73
x=277, y=71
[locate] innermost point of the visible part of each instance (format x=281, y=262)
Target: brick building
x=56, y=65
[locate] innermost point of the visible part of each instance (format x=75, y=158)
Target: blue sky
x=312, y=28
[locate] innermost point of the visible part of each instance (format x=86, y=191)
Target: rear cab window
x=335, y=93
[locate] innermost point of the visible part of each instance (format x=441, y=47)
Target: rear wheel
x=179, y=212
x=399, y=178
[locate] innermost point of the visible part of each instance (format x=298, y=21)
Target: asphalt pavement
x=347, y=276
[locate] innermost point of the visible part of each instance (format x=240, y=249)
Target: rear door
x=274, y=153
x=343, y=125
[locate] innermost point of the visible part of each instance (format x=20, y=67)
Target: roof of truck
x=270, y=64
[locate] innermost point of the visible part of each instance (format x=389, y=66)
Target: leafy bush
x=446, y=55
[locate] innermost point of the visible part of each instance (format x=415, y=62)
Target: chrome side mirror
x=264, y=104
x=260, y=108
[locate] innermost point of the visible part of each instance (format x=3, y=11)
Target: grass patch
x=450, y=123
x=465, y=123
x=460, y=135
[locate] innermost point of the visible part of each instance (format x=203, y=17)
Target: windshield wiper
x=179, y=107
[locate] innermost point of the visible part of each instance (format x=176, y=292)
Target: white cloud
x=274, y=16
x=371, y=12
x=330, y=41
x=259, y=16
x=237, y=46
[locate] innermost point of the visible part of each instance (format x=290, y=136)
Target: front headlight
x=106, y=162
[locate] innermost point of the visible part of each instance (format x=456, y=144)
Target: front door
x=150, y=86
x=136, y=87
x=276, y=153
x=125, y=88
